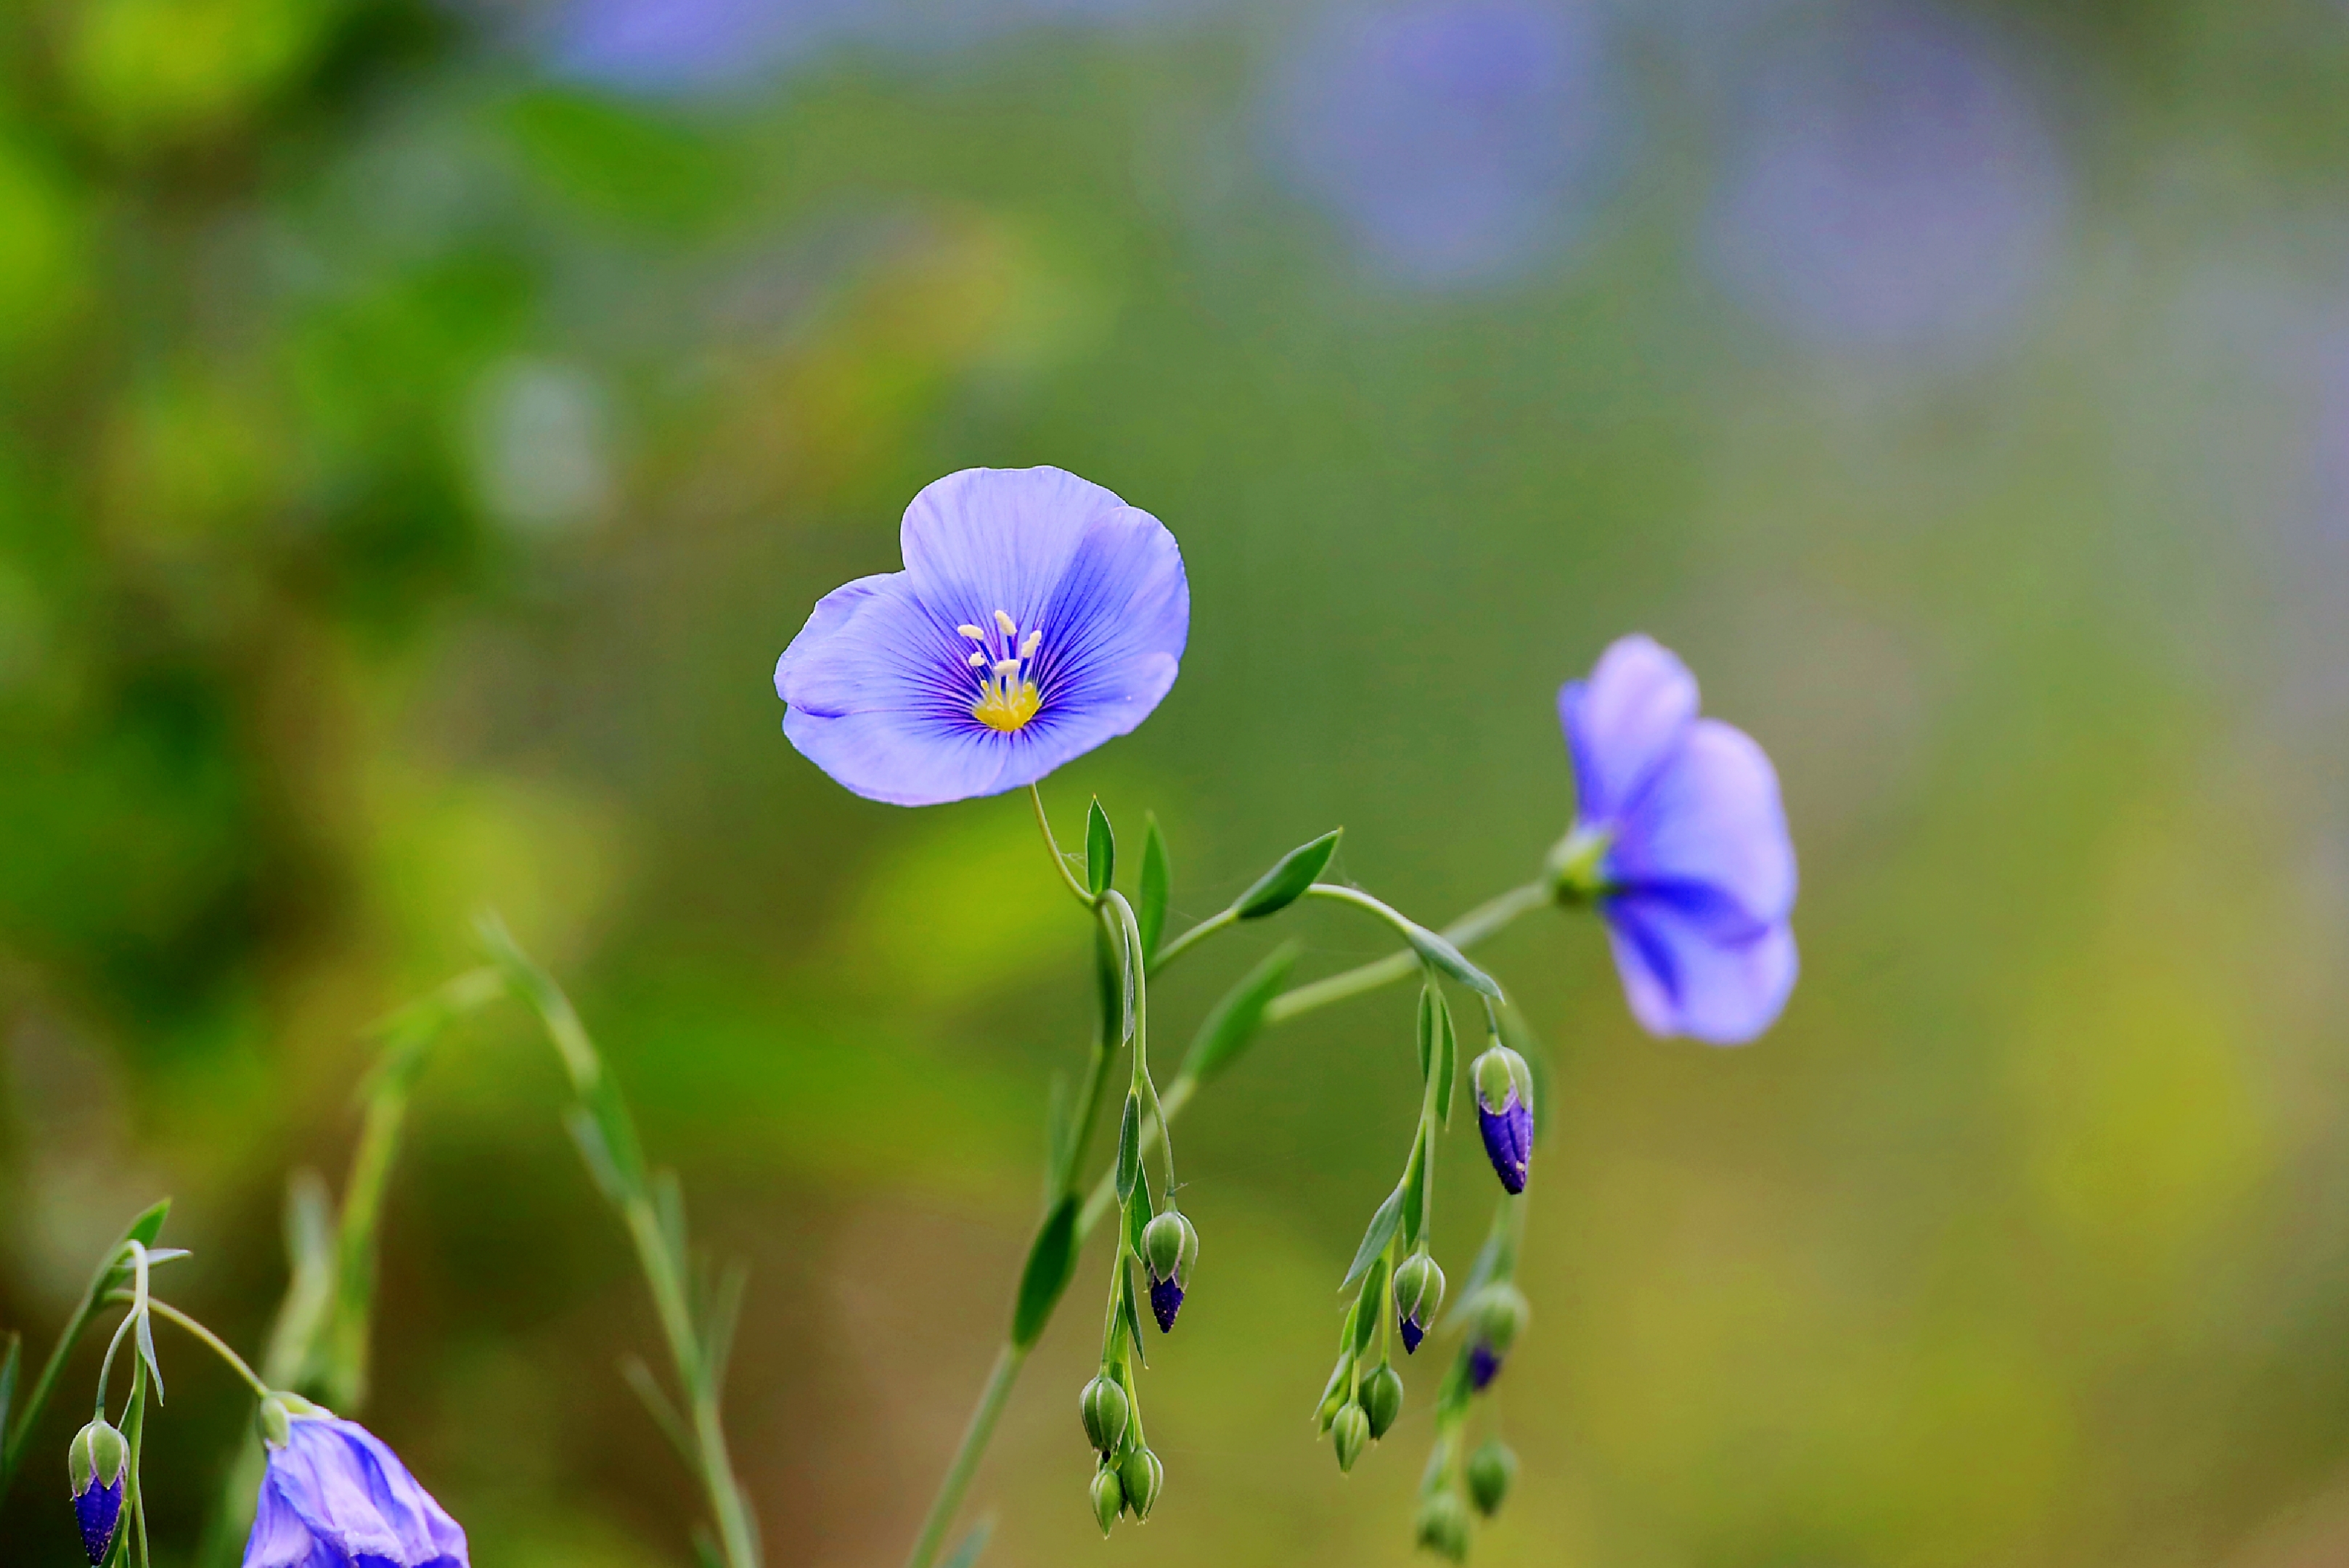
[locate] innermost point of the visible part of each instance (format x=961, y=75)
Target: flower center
x=1005, y=663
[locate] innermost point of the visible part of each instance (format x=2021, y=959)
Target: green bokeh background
x=2023, y=1239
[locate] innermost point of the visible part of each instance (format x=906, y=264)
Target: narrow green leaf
x=1372, y=1304
x=1333, y=1393
x=1433, y=949
x=1051, y=1260
x=668, y=1208
x=1286, y=882
x=1060, y=1133
x=1447, y=1061
x=9, y=1365
x=1383, y=1225
x=724, y=1316
x=1157, y=882
x=593, y=1149
x=647, y=1388
x=1129, y=1146
x=1415, y=1190
x=1137, y=1215
x=1132, y=1311
x=1228, y=1030
x=966, y=1554
x=1100, y=850
x=1109, y=982
x=1429, y=1000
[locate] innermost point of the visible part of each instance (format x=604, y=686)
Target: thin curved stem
x=1192, y=938
x=219, y=1346
x=106, y=1368
x=1477, y=925
x=975, y=1436
x=1059, y=861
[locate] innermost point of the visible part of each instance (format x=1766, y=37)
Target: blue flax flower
x=1038, y=616
x=335, y=1497
x=1681, y=840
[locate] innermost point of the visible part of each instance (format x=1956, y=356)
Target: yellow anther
x=1010, y=628
x=973, y=632
x=978, y=659
x=1027, y=649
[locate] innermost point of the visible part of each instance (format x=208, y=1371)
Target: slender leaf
x=1109, y=981
x=1429, y=999
x=1158, y=883
x=1434, y=950
x=1383, y=1225
x=1132, y=1311
x=1371, y=1306
x=9, y=1365
x=718, y=1329
x=1129, y=1146
x=1136, y=1216
x=1333, y=1393
x=1287, y=881
x=1050, y=1261
x=1230, y=1029
x=143, y=1335
x=640, y=1379
x=1447, y=1062
x=668, y=1208
x=589, y=1136
x=1414, y=1191
x=1100, y=849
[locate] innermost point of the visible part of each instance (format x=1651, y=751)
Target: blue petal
x=1709, y=829
x=989, y=539
x=878, y=683
x=1622, y=724
x=1682, y=977
x=333, y=1494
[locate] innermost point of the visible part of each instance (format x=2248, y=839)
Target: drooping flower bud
x=1443, y=1526
x=1419, y=1296
x=1350, y=1433
x=1142, y=1478
x=1102, y=1405
x=1504, y=1113
x=1382, y=1399
x=98, y=1465
x=1484, y=1365
x=1169, y=1248
x=1500, y=1315
x=1108, y=1497
x=1491, y=1468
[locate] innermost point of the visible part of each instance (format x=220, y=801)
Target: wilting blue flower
x=335, y=1497
x=1680, y=839
x=1037, y=617
x=98, y=1465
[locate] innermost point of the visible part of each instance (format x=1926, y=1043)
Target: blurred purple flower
x=1693, y=870
x=1890, y=188
x=686, y=46
x=335, y=1497
x=1038, y=617
x=1457, y=140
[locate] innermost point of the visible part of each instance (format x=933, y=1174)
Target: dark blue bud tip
x=1484, y=1365
x=1413, y=1332
x=1509, y=1140
x=99, y=1511
x=1165, y=1301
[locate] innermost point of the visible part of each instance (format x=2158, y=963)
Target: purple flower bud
x=1484, y=1365
x=1413, y=1332
x=100, y=1470
x=1509, y=1140
x=1165, y=1301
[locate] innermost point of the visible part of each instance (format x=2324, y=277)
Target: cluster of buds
x=1128, y=1477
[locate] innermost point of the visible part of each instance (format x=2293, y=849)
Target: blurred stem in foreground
x=1252, y=1005
x=696, y=1317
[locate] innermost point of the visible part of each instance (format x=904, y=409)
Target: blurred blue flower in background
x=685, y=46
x=1459, y=141
x=1890, y=188
x=1037, y=617
x=1679, y=822
x=335, y=1497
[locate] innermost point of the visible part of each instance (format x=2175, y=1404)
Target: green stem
x=1059, y=861
x=1477, y=925
x=975, y=1436
x=220, y=1347
x=1192, y=938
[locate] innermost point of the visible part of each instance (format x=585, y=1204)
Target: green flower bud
x=1109, y=1499
x=1103, y=1407
x=1502, y=1313
x=1382, y=1399
x=1349, y=1432
x=1491, y=1468
x=1143, y=1477
x=1443, y=1526
x=1169, y=1247
x=1419, y=1296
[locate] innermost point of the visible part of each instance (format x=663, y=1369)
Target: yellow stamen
x=1006, y=704
x=1010, y=628
x=978, y=659
x=972, y=632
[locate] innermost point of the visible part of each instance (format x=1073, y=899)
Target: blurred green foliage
x=413, y=458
